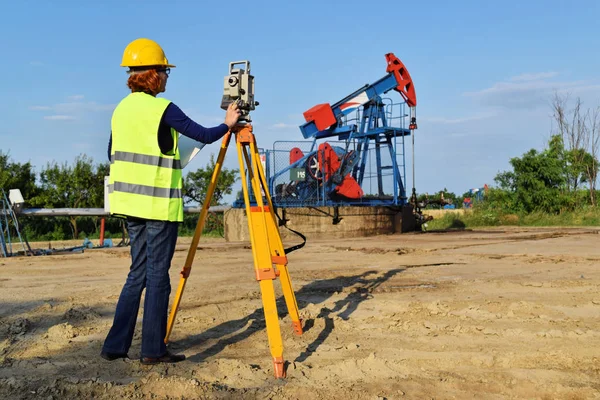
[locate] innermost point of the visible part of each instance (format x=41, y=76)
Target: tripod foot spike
x=297, y=326
x=279, y=367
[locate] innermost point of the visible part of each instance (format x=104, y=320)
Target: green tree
x=17, y=176
x=78, y=186
x=579, y=130
x=538, y=179
x=196, y=184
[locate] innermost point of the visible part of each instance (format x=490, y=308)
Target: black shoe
x=113, y=356
x=167, y=358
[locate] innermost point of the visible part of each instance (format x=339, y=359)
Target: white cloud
x=525, y=86
x=529, y=91
x=534, y=77
x=74, y=109
x=59, y=117
x=282, y=125
x=81, y=107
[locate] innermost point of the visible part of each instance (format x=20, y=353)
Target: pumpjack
x=366, y=125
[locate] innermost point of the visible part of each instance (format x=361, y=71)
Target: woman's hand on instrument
x=232, y=115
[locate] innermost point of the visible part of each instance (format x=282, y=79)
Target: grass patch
x=588, y=216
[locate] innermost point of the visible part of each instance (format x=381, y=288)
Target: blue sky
x=484, y=72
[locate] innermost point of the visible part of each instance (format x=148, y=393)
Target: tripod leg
x=272, y=321
x=263, y=265
x=185, y=272
x=284, y=275
x=276, y=247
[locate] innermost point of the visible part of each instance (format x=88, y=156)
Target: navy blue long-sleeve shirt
x=175, y=118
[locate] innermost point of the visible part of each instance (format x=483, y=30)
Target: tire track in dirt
x=535, y=258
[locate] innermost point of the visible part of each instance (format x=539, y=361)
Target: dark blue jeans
x=152, y=248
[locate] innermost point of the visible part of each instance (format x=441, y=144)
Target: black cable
x=295, y=247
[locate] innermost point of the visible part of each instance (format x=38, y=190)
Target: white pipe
x=99, y=212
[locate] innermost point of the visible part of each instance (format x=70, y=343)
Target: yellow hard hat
x=144, y=52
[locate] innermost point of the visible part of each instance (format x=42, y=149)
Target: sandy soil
x=494, y=314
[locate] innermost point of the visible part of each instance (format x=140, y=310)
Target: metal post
x=2, y=241
x=413, y=160
x=413, y=126
x=101, y=232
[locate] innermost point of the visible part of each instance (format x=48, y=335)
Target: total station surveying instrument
x=270, y=261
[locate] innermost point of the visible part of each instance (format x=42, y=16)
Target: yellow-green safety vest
x=143, y=182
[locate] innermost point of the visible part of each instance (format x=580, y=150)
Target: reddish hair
x=148, y=82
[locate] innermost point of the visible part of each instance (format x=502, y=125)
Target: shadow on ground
x=359, y=288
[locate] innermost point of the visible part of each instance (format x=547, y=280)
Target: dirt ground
x=490, y=314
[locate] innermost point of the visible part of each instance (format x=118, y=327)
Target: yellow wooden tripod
x=270, y=261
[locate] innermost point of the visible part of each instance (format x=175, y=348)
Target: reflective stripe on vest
x=145, y=190
x=145, y=159
x=143, y=182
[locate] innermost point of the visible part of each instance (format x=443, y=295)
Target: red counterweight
x=322, y=115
